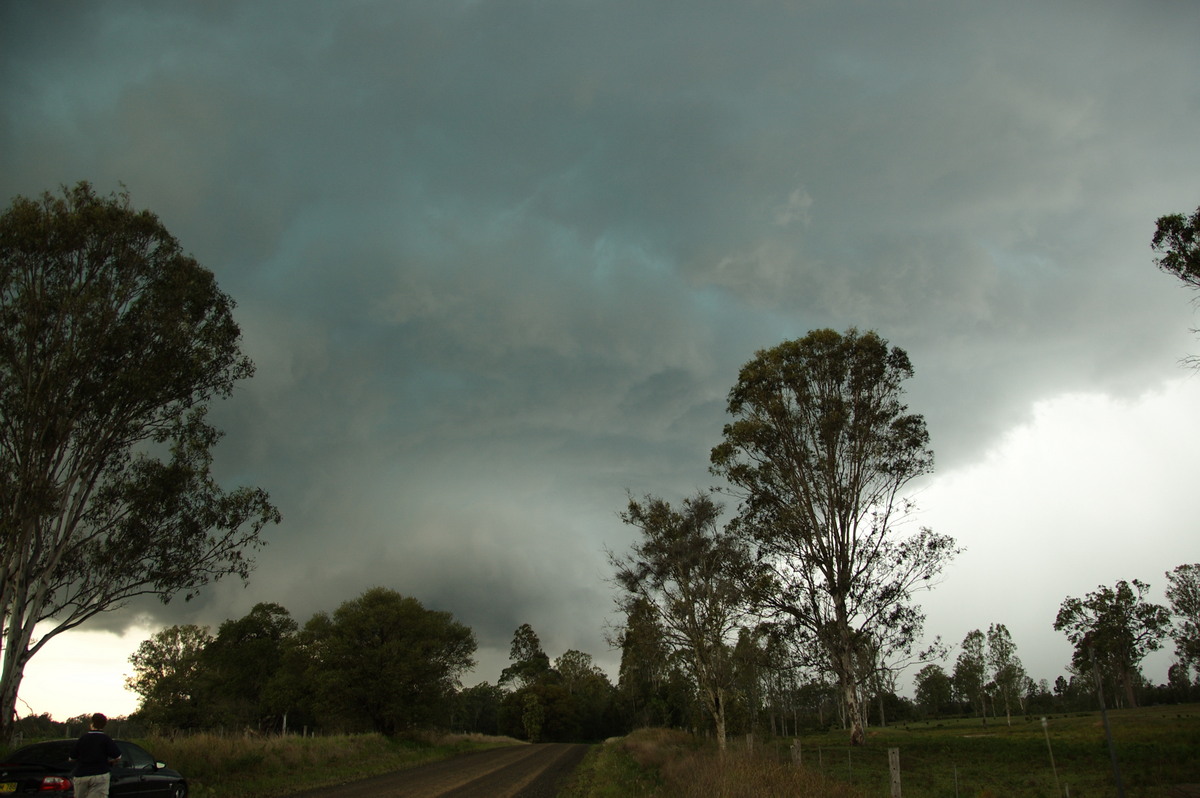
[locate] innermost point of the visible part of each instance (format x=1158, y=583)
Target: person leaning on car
x=95, y=753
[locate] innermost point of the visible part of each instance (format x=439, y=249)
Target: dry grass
x=218, y=766
x=660, y=763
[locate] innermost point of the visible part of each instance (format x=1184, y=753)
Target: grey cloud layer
x=499, y=262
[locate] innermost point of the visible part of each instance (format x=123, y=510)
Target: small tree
x=971, y=672
x=112, y=344
x=688, y=571
x=934, y=690
x=645, y=665
x=1008, y=673
x=1118, y=627
x=529, y=663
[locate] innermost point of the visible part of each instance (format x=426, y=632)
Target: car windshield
x=48, y=754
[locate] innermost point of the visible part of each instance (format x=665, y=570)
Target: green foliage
x=529, y=663
x=1183, y=594
x=477, y=709
x=1007, y=672
x=244, y=667
x=934, y=690
x=1117, y=627
x=611, y=771
x=569, y=702
x=645, y=667
x=1177, y=237
x=970, y=672
x=168, y=674
x=689, y=573
x=112, y=344
x=384, y=659
x=819, y=449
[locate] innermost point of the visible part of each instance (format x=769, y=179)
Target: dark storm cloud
x=498, y=263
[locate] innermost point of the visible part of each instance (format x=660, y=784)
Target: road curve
x=518, y=771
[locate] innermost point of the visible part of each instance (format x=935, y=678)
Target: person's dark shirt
x=94, y=751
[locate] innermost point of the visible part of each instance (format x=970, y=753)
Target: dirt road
x=519, y=771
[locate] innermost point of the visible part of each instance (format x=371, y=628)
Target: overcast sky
x=499, y=263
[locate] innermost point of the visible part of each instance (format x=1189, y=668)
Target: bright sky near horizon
x=499, y=263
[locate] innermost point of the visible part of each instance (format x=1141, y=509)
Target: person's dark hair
x=99, y=721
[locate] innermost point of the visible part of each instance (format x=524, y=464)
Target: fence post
x=797, y=753
x=1053, y=767
x=894, y=768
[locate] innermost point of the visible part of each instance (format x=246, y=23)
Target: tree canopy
x=1118, y=627
x=1183, y=594
x=112, y=345
x=1177, y=237
x=385, y=658
x=819, y=451
x=688, y=572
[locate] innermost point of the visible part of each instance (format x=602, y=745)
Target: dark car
x=46, y=768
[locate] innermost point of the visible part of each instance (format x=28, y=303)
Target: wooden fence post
x=894, y=767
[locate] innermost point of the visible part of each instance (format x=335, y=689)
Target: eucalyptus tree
x=1008, y=673
x=819, y=452
x=530, y=664
x=645, y=668
x=971, y=672
x=688, y=571
x=113, y=343
x=1183, y=594
x=1113, y=629
x=1177, y=238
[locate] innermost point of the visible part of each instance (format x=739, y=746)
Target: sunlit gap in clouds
x=1100, y=488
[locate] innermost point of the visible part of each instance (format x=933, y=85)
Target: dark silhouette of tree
x=689, y=571
x=385, y=662
x=112, y=345
x=1177, y=237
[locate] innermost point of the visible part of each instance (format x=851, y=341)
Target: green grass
x=1157, y=748
x=611, y=770
x=234, y=767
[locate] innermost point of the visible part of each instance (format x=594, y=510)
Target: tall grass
x=228, y=767
x=659, y=763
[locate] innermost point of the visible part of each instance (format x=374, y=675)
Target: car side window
x=136, y=757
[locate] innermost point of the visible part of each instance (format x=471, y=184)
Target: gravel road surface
x=519, y=771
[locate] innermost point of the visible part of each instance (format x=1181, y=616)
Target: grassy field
x=661, y=763
x=1158, y=750
x=268, y=767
